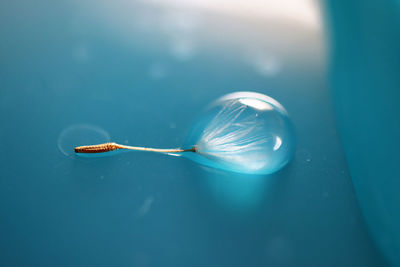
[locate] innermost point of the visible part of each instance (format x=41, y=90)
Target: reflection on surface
x=300, y=11
x=186, y=29
x=80, y=134
x=255, y=103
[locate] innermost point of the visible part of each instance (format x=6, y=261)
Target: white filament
x=236, y=138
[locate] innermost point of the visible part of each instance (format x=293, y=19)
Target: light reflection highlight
x=278, y=143
x=255, y=103
x=298, y=11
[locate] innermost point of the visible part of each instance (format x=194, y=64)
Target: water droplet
x=80, y=134
x=243, y=132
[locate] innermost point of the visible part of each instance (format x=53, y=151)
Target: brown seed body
x=106, y=147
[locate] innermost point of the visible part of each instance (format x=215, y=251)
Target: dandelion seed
x=242, y=132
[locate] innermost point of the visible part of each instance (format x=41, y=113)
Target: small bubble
x=303, y=155
x=78, y=135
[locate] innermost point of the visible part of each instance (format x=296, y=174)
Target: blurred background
x=140, y=73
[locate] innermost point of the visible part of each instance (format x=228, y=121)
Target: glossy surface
x=244, y=132
x=139, y=73
x=366, y=82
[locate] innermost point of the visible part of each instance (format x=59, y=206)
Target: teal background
x=365, y=68
x=124, y=71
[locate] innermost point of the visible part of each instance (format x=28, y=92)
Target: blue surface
x=82, y=70
x=365, y=76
